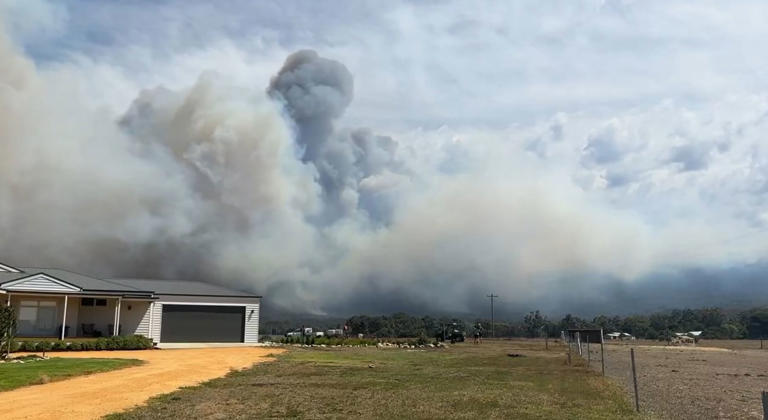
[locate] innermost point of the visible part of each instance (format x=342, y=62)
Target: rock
x=371, y=366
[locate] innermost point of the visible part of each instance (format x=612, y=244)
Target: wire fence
x=658, y=376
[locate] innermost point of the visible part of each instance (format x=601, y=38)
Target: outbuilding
x=59, y=303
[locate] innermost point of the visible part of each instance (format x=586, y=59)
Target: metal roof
x=127, y=286
x=182, y=287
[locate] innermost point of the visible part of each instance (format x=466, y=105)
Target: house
x=60, y=303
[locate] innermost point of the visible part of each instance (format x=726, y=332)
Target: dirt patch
x=96, y=395
x=693, y=382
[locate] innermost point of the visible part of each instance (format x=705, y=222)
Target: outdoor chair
x=89, y=330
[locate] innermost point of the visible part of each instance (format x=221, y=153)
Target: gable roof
x=58, y=280
x=40, y=282
x=182, y=287
x=8, y=269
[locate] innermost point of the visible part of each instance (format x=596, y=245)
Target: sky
x=569, y=156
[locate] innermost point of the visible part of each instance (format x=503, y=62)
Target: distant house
x=60, y=303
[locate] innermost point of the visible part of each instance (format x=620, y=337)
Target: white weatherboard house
x=59, y=303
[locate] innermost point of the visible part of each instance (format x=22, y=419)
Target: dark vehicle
x=451, y=333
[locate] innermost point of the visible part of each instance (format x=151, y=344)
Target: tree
x=534, y=323
x=7, y=329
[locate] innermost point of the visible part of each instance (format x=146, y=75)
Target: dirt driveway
x=93, y=396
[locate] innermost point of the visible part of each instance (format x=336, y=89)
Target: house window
x=37, y=317
x=93, y=302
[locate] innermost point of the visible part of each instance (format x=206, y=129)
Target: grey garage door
x=202, y=324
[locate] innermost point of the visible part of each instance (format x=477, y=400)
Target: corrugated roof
x=182, y=287
x=127, y=286
x=81, y=280
x=6, y=277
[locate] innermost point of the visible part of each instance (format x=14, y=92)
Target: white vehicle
x=319, y=334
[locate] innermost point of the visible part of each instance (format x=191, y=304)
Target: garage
x=202, y=324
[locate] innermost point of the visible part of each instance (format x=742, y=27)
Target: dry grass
x=465, y=381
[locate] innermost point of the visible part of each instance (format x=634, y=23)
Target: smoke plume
x=262, y=189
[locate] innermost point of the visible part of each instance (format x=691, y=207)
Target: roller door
x=202, y=324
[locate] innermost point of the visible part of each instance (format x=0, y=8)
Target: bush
x=44, y=346
x=133, y=342
x=7, y=329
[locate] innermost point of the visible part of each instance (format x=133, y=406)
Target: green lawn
x=15, y=375
x=464, y=381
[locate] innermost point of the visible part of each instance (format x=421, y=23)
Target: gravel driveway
x=93, y=396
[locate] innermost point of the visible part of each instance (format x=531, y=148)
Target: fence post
x=578, y=341
x=602, y=352
x=602, y=356
x=765, y=405
x=569, y=353
x=589, y=354
x=634, y=378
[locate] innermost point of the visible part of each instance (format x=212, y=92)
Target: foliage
x=329, y=341
x=7, y=329
x=401, y=325
x=131, y=342
x=714, y=322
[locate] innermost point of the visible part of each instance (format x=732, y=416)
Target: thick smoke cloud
x=266, y=189
x=315, y=92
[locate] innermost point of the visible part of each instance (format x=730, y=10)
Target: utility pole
x=492, y=296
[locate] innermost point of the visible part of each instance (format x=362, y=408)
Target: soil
x=691, y=382
x=93, y=396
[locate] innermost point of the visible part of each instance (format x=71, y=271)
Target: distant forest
x=714, y=322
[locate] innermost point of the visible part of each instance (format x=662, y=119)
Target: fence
x=684, y=381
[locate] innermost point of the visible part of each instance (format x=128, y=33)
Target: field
x=463, y=381
x=716, y=379
x=15, y=375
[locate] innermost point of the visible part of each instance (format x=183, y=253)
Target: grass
x=32, y=372
x=464, y=381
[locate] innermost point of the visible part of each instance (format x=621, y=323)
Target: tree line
x=714, y=322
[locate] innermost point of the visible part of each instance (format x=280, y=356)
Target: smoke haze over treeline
x=238, y=155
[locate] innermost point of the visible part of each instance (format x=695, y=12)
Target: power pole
x=492, y=296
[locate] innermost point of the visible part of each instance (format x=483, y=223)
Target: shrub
x=58, y=346
x=75, y=346
x=44, y=346
x=7, y=329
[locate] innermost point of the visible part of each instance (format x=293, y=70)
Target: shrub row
x=329, y=341
x=132, y=342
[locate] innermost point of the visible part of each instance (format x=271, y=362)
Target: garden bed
x=133, y=342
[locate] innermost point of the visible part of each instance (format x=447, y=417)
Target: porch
x=69, y=316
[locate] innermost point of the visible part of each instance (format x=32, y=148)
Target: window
x=37, y=317
x=93, y=302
